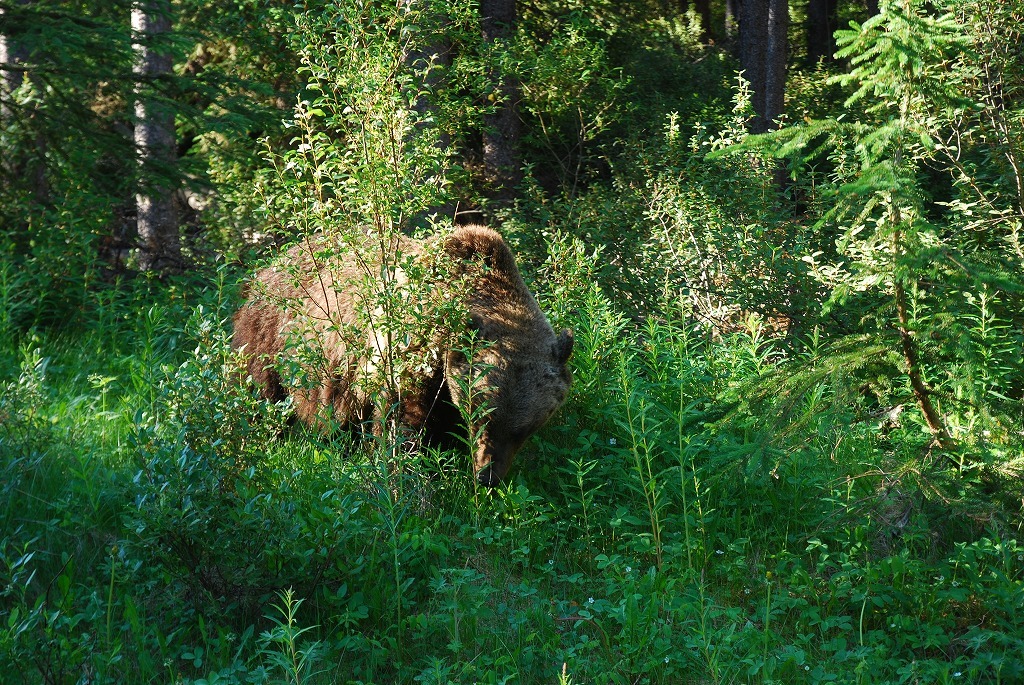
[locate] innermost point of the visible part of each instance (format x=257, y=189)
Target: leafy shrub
x=213, y=510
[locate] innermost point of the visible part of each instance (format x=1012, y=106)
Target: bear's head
x=514, y=375
x=509, y=393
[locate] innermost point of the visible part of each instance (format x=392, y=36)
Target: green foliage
x=743, y=486
x=281, y=644
x=204, y=513
x=571, y=96
x=361, y=155
x=916, y=291
x=63, y=177
x=663, y=543
x=70, y=175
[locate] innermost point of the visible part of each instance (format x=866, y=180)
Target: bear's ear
x=476, y=243
x=563, y=346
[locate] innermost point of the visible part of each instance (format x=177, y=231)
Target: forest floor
x=155, y=532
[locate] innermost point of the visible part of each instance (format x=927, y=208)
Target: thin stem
x=909, y=348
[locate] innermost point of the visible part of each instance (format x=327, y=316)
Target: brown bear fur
x=518, y=370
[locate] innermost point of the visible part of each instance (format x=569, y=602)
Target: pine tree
x=905, y=274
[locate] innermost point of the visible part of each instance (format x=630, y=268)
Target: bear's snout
x=492, y=462
x=487, y=477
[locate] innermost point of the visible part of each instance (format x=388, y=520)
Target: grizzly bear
x=308, y=331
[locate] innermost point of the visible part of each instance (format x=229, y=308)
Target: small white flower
x=957, y=674
x=746, y=591
x=807, y=668
x=892, y=625
x=955, y=584
x=718, y=551
x=551, y=562
x=590, y=601
x=628, y=569
x=613, y=442
x=666, y=660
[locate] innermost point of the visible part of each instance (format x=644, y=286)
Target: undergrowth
x=163, y=523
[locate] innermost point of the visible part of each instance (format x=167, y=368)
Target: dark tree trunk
x=763, y=48
x=922, y=393
x=28, y=162
x=821, y=24
x=159, y=240
x=775, y=62
x=428, y=58
x=753, y=48
x=429, y=64
x=502, y=127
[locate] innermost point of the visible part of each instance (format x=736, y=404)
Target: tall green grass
x=163, y=525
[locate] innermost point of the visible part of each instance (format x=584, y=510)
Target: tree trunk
x=429, y=65
x=159, y=240
x=703, y=10
x=753, y=19
x=732, y=19
x=763, y=48
x=28, y=162
x=775, y=61
x=821, y=24
x=502, y=127
x=908, y=345
x=921, y=392
x=12, y=54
